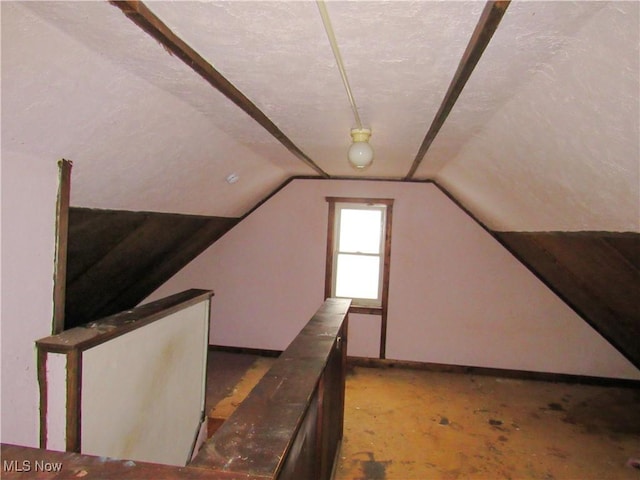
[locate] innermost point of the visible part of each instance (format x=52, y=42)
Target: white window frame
x=335, y=206
x=339, y=208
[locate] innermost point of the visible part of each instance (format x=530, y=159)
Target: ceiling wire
x=336, y=53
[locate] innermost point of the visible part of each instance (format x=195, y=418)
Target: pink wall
x=29, y=190
x=456, y=296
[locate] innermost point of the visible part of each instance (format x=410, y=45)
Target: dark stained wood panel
x=117, y=258
x=96, y=232
x=596, y=273
x=627, y=246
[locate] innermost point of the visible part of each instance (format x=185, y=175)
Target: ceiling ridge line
x=144, y=18
x=482, y=34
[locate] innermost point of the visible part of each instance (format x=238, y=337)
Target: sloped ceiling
x=543, y=137
x=562, y=152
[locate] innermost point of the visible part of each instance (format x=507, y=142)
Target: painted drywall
x=143, y=392
x=56, y=368
x=29, y=190
x=563, y=152
x=543, y=137
x=81, y=81
x=364, y=335
x=455, y=295
x=267, y=271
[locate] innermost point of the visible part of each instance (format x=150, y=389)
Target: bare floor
x=409, y=424
x=416, y=425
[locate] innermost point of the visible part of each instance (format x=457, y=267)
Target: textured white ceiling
x=143, y=132
x=544, y=136
x=563, y=151
x=399, y=56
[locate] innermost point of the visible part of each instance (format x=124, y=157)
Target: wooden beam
x=486, y=27
x=138, y=12
x=385, y=281
x=74, y=401
x=62, y=238
x=43, y=387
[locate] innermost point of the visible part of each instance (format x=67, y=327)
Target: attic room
x=149, y=148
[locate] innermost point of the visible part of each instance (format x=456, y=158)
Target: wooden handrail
x=73, y=342
x=289, y=427
x=100, y=331
x=258, y=436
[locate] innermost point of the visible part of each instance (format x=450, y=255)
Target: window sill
x=365, y=310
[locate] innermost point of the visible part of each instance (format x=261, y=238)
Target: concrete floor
x=416, y=425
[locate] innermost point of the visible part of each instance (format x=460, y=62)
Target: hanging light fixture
x=360, y=152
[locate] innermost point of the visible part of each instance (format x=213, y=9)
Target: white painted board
x=56, y=401
x=143, y=392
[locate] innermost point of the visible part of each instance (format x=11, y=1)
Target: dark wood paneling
x=117, y=258
x=627, y=245
x=170, y=262
x=332, y=417
x=94, y=233
x=596, y=273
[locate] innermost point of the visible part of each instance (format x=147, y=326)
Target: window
x=358, y=250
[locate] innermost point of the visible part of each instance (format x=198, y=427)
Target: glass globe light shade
x=360, y=155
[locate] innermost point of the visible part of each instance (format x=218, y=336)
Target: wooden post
x=62, y=235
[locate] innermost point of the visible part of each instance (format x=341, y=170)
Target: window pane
x=360, y=230
x=357, y=276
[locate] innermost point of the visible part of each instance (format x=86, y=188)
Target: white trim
x=339, y=207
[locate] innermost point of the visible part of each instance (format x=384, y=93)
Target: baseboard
x=445, y=368
x=493, y=372
x=261, y=352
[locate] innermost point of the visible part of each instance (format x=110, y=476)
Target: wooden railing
x=131, y=385
x=289, y=426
